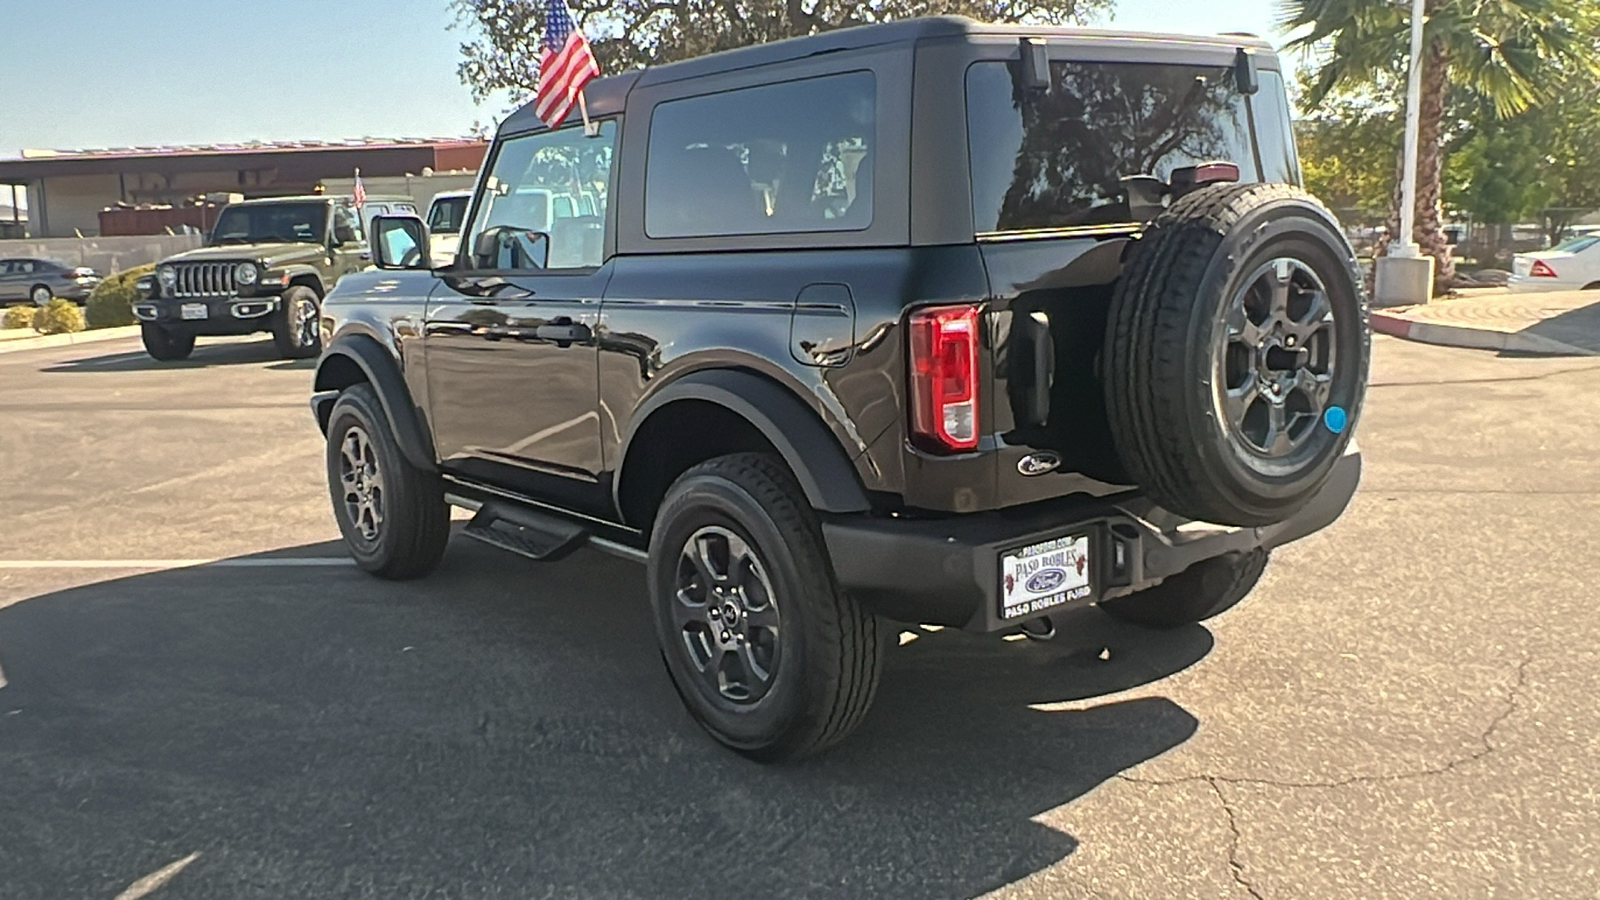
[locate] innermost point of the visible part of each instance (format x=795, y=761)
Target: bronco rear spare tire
x=1236, y=354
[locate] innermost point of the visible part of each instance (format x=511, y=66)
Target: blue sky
x=104, y=73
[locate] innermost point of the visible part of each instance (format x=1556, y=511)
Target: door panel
x=511, y=368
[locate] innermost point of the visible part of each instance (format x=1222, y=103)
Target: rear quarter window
x=788, y=157
x=1057, y=159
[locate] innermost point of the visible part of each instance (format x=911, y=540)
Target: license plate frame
x=189, y=311
x=1045, y=574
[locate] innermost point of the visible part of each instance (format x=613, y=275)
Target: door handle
x=563, y=331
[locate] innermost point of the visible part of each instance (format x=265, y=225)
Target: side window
x=1274, y=133
x=347, y=226
x=22, y=267
x=789, y=157
x=552, y=184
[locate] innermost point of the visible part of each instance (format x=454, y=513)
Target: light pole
x=1405, y=276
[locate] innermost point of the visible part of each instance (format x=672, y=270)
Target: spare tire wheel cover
x=1244, y=422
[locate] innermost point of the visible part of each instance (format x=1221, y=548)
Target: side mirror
x=510, y=247
x=400, y=242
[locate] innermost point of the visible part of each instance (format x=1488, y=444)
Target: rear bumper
x=1524, y=284
x=947, y=571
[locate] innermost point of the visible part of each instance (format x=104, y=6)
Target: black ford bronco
x=266, y=266
x=930, y=321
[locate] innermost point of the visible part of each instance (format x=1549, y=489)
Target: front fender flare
x=383, y=373
x=799, y=435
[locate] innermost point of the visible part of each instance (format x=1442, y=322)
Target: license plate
x=1044, y=575
x=193, y=311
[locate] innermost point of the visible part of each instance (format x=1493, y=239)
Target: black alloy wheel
x=727, y=615
x=361, y=479
x=1275, y=365
x=769, y=656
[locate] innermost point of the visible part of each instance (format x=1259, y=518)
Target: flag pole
x=589, y=128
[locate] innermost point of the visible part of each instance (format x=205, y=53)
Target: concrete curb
x=1472, y=338
x=64, y=340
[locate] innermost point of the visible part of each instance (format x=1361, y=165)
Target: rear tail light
x=1541, y=269
x=944, y=378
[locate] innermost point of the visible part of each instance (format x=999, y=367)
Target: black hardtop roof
x=606, y=96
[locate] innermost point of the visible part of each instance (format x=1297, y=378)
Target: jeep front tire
x=296, y=331
x=768, y=654
x=165, y=345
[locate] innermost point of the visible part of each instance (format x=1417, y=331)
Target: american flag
x=566, y=64
x=359, y=192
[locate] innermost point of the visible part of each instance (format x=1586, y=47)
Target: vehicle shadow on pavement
x=205, y=356
x=506, y=729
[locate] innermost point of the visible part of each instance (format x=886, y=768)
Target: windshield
x=446, y=215
x=1577, y=244
x=290, y=222
x=1057, y=159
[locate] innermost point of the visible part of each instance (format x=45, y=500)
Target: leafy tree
x=1506, y=51
x=1347, y=149
x=625, y=34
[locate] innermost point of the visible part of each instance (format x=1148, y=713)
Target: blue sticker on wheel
x=1335, y=418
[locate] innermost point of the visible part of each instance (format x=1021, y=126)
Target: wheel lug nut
x=716, y=614
x=727, y=636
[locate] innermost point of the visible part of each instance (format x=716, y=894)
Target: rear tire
x=164, y=345
x=1236, y=354
x=296, y=331
x=40, y=295
x=768, y=654
x=393, y=515
x=1203, y=590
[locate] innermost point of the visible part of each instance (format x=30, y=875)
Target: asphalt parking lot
x=1405, y=707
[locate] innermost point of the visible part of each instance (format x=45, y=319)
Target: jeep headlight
x=246, y=274
x=168, y=276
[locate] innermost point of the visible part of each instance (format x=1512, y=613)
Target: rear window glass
x=1577, y=244
x=1056, y=159
x=789, y=157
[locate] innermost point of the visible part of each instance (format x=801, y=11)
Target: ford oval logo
x=1039, y=463
x=1046, y=580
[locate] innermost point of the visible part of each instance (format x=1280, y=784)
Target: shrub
x=111, y=301
x=17, y=317
x=59, y=316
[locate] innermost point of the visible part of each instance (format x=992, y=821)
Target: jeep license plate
x=1044, y=575
x=193, y=311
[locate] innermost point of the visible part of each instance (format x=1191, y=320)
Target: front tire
x=164, y=345
x=768, y=654
x=393, y=515
x=1205, y=589
x=296, y=331
x=40, y=295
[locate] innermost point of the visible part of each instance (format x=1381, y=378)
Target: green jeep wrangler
x=266, y=267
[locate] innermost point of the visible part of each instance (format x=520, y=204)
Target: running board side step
x=526, y=532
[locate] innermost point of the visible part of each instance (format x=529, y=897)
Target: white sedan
x=1568, y=266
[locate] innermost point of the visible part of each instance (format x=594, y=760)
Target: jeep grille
x=204, y=280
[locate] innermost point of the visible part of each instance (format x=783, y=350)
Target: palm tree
x=1506, y=51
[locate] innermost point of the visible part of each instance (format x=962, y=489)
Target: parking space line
x=234, y=563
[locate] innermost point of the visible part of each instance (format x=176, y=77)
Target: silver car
x=39, y=280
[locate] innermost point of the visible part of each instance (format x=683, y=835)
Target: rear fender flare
x=811, y=451
x=383, y=373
